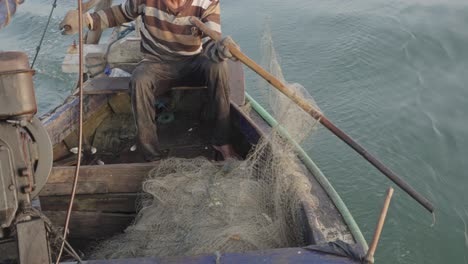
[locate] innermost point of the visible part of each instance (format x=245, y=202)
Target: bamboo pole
x=315, y=113
x=378, y=230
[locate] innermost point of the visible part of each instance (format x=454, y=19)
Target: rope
x=80, y=131
x=38, y=48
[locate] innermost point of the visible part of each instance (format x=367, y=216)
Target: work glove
x=69, y=24
x=218, y=51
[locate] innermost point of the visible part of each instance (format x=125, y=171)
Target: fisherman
x=173, y=49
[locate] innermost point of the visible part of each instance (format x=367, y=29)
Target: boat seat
x=113, y=85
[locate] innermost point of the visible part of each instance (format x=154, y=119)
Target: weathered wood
x=93, y=225
x=71, y=60
x=9, y=251
x=83, y=188
x=123, y=51
x=63, y=120
x=269, y=256
x=89, y=126
x=112, y=85
x=116, y=178
x=121, y=104
x=105, y=203
x=378, y=230
x=60, y=151
x=32, y=242
x=115, y=135
x=69, y=160
x=107, y=85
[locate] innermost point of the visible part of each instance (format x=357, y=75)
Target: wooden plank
x=121, y=103
x=71, y=60
x=115, y=178
x=105, y=203
x=63, y=120
x=65, y=188
x=107, y=85
x=297, y=255
x=112, y=85
x=32, y=242
x=60, y=151
x=92, y=225
x=9, y=252
x=89, y=127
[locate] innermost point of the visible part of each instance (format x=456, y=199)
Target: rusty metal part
x=25, y=164
x=41, y=148
x=17, y=98
x=316, y=114
x=80, y=130
x=18, y=71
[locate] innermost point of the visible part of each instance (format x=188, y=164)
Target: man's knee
x=141, y=79
x=217, y=69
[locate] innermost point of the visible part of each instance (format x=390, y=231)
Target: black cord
x=38, y=48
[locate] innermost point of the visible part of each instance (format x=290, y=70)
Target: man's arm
x=215, y=50
x=106, y=18
x=212, y=19
x=116, y=15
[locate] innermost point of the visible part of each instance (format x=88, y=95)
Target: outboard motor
x=25, y=159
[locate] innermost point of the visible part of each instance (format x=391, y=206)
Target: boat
x=112, y=171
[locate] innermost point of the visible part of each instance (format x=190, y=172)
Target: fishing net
x=197, y=206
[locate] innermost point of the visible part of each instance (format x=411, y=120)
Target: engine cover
x=25, y=163
x=9, y=201
x=17, y=98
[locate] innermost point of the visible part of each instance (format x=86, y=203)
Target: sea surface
x=392, y=74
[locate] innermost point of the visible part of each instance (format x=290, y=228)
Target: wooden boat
x=113, y=171
x=110, y=179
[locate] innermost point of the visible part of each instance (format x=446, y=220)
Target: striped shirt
x=164, y=35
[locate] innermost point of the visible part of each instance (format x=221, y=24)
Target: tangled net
x=197, y=206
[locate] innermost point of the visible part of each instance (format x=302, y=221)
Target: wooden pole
x=315, y=113
x=378, y=229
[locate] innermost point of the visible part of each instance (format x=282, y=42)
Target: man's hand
x=219, y=51
x=223, y=47
x=69, y=24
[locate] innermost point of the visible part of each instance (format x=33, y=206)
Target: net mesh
x=197, y=206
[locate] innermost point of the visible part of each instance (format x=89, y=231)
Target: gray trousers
x=146, y=86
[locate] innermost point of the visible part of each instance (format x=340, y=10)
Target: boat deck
x=185, y=137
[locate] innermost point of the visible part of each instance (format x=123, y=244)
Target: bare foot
x=227, y=151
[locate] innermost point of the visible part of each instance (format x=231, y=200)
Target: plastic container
x=17, y=98
x=116, y=72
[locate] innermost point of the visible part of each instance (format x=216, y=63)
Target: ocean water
x=393, y=74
